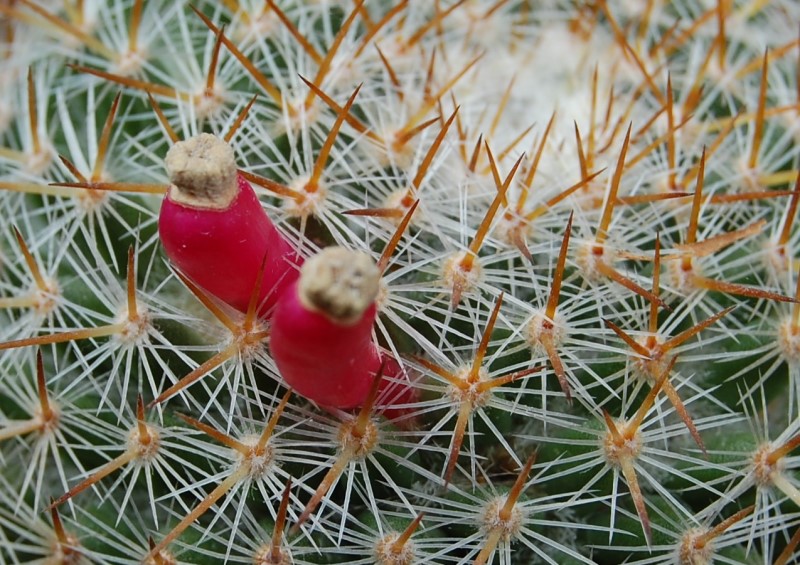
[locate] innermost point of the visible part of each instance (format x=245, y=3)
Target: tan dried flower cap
x=339, y=283
x=203, y=172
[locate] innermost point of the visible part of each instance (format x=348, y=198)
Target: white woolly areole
x=202, y=171
x=339, y=283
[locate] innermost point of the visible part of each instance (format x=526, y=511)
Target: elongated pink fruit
x=215, y=231
x=321, y=333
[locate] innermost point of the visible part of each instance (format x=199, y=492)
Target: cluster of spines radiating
x=584, y=216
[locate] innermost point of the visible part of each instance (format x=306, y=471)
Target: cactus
x=583, y=219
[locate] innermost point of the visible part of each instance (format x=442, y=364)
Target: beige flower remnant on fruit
x=339, y=283
x=202, y=171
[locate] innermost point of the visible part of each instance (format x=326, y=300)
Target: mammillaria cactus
x=577, y=226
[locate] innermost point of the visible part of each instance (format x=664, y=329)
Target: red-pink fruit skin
x=332, y=364
x=326, y=362
x=222, y=251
